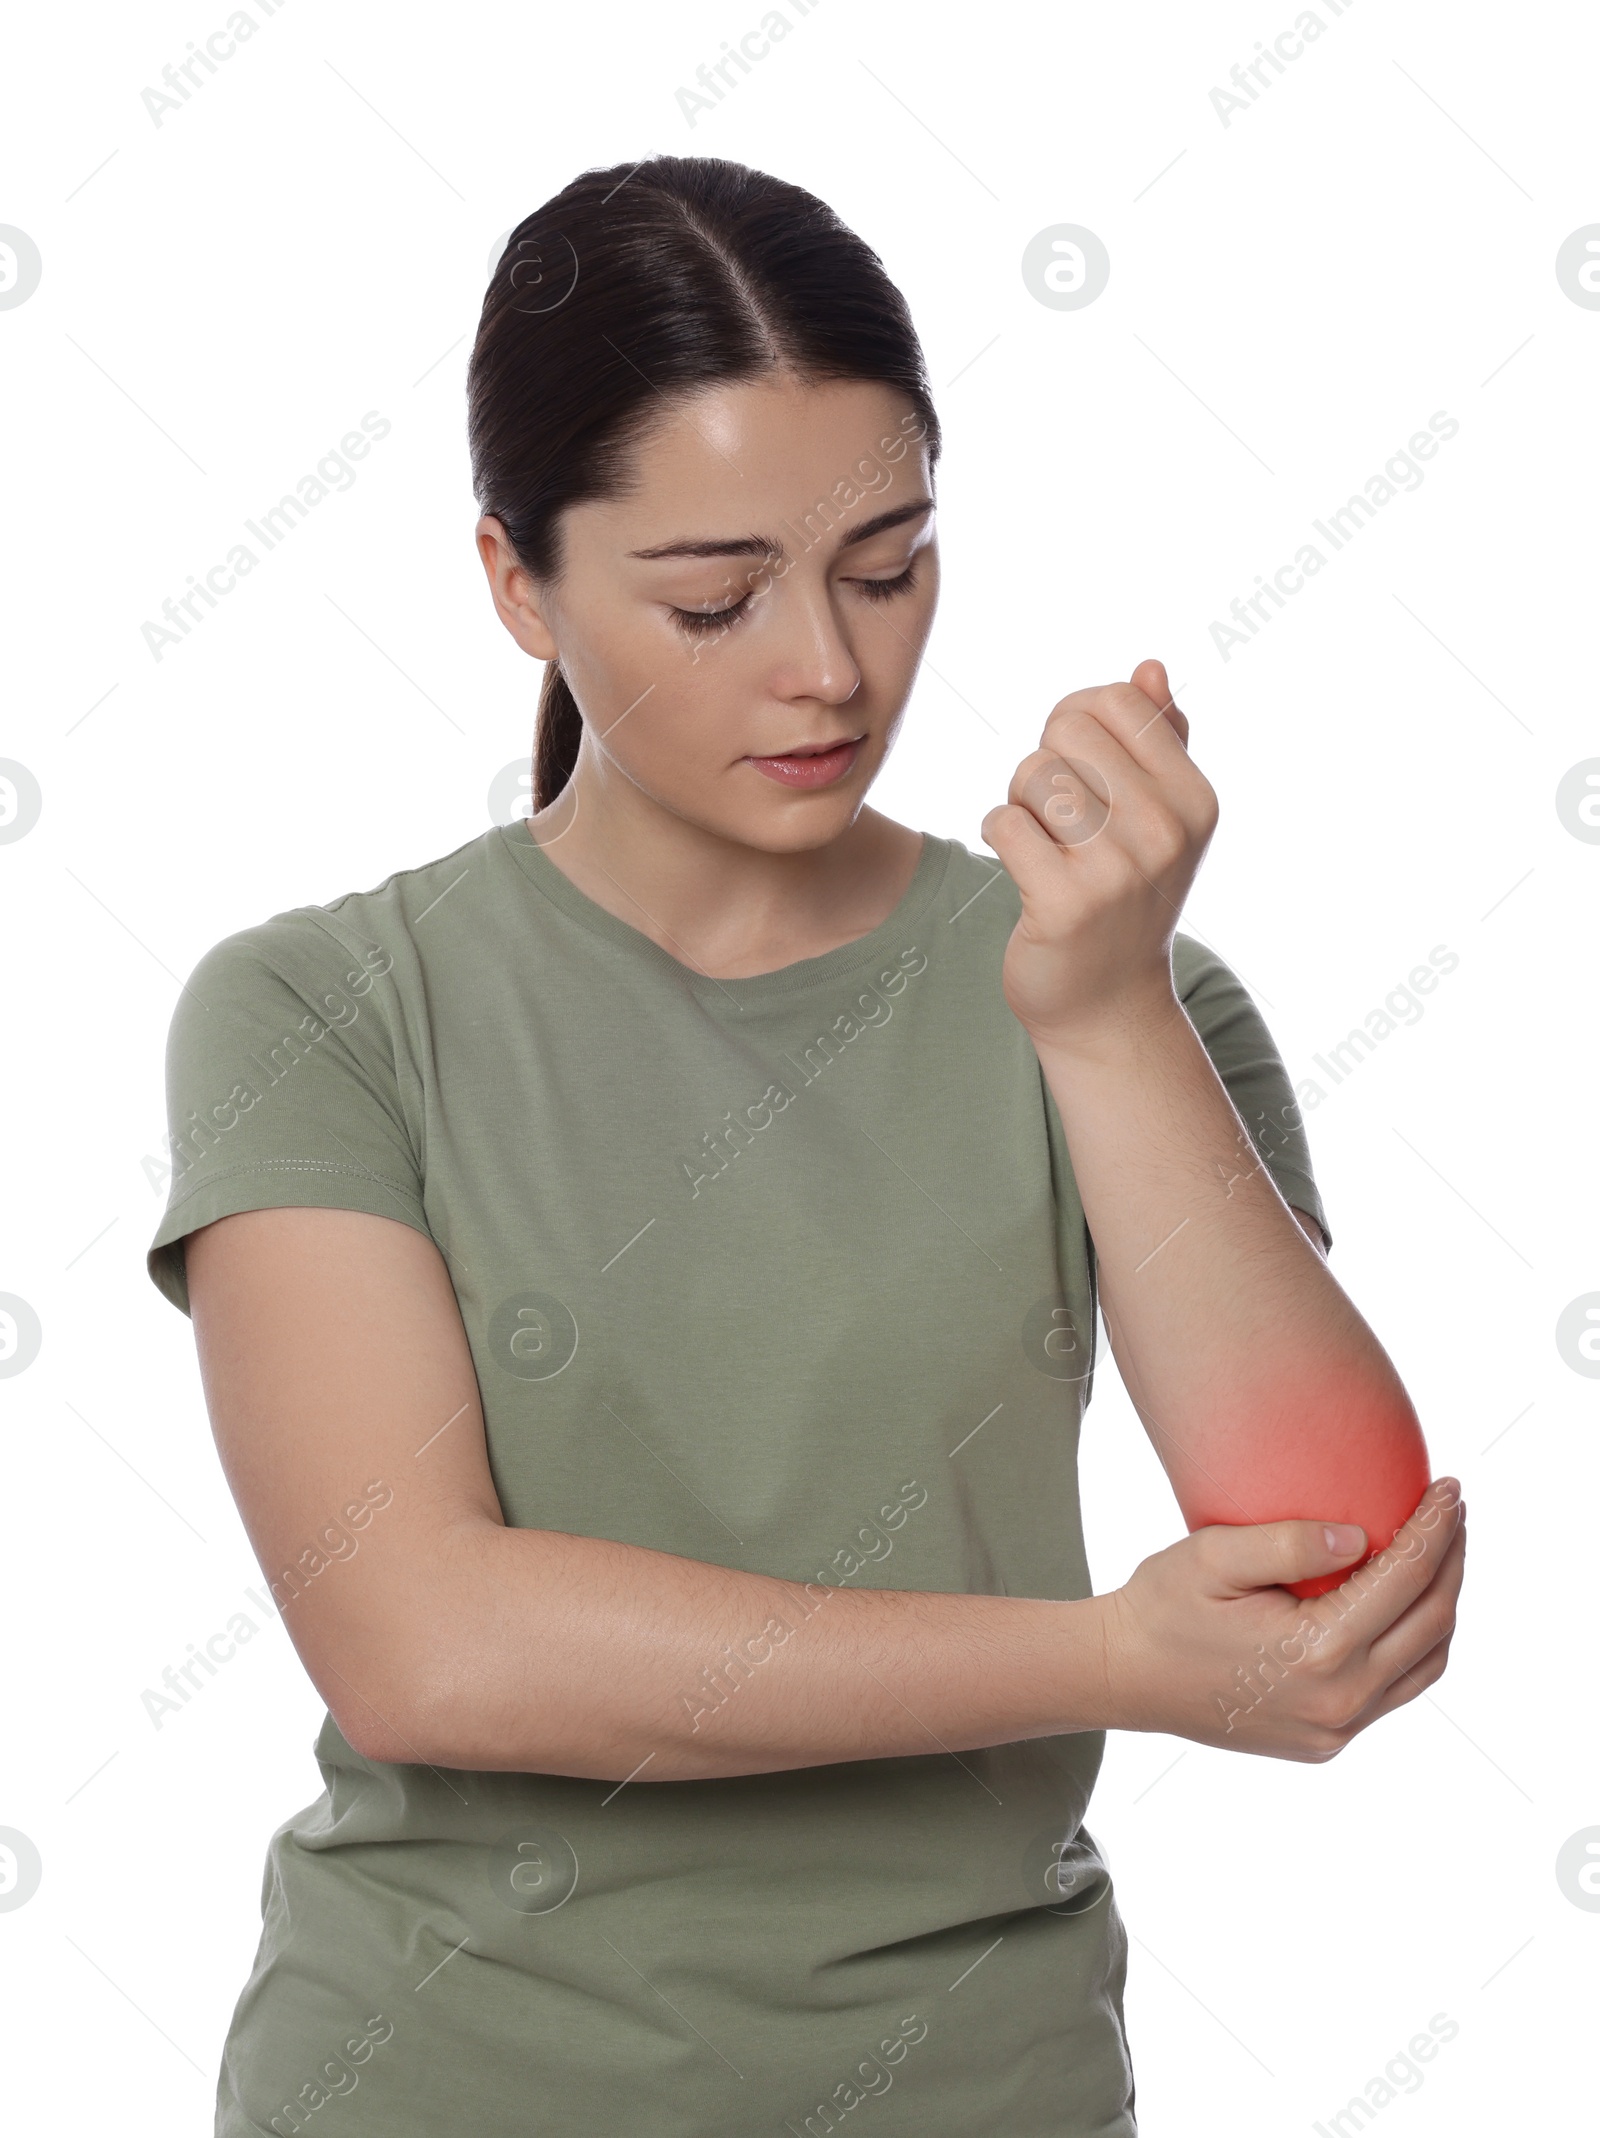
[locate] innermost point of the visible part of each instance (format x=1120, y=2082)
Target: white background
x=1292, y=295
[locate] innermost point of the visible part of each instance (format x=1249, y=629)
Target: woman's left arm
x=1263, y=1389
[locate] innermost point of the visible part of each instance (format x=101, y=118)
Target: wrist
x=1114, y=1032
x=1083, y=1655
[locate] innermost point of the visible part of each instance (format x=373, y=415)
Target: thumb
x=1259, y=1555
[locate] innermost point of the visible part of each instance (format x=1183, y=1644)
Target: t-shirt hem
x=272, y=1184
x=1299, y=1191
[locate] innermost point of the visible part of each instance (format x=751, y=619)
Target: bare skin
x=664, y=822
x=331, y=1344
x=1242, y=1353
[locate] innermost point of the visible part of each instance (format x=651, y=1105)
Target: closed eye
x=698, y=623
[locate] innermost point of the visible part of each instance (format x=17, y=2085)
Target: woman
x=641, y=1266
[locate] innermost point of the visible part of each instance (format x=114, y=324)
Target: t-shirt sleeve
x=1241, y=1048
x=284, y=1088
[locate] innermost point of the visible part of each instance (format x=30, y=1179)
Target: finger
x=1028, y=854
x=1151, y=678
x=1099, y=727
x=1237, y=1558
x=1119, y=731
x=1071, y=798
x=1416, y=1678
x=1417, y=1629
x=1132, y=723
x=1375, y=1595
x=1076, y=796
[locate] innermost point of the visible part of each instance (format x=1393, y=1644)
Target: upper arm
x=337, y=1371
x=285, y=1088
x=345, y=1406
x=1246, y=1058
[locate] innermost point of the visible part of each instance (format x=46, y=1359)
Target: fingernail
x=1449, y=1488
x=1343, y=1538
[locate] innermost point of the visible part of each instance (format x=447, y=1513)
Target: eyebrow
x=761, y=546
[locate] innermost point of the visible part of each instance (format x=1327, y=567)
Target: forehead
x=724, y=456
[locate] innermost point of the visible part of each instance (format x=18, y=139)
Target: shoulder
x=344, y=942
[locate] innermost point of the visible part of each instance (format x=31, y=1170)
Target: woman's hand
x=1103, y=833
x=1199, y=1645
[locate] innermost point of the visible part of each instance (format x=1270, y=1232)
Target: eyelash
x=696, y=623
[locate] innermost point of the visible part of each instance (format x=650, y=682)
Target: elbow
x=394, y=1733
x=452, y=1721
x=437, y=1711
x=384, y=1739
x=435, y=1688
x=405, y=1709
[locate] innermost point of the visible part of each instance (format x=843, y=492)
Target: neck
x=725, y=909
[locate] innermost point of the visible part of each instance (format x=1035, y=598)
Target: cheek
x=678, y=725
x=651, y=699
x=912, y=618
x=890, y=652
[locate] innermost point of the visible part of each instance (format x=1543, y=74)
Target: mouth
x=812, y=765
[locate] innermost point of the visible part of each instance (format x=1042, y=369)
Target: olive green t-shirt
x=787, y=1273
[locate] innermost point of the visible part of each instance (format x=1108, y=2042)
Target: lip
x=810, y=768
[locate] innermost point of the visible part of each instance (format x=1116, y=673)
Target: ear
x=515, y=596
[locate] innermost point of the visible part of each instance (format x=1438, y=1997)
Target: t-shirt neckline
x=927, y=878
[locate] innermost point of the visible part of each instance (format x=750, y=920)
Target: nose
x=811, y=656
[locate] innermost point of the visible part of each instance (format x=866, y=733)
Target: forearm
x=1257, y=1379
x=540, y=1652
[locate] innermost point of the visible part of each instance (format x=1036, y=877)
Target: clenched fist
x=1103, y=833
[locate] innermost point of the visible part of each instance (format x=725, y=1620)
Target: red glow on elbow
x=1343, y=1456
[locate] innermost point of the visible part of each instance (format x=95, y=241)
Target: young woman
x=645, y=1264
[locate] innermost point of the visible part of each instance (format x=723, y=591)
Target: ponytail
x=631, y=289
x=558, y=730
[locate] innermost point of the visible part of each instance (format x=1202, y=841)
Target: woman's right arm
x=345, y=1405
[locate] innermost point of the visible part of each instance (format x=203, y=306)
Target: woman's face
x=763, y=595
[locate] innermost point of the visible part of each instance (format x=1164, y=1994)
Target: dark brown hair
x=634, y=286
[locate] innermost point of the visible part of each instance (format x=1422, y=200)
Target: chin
x=748, y=810
x=794, y=824
x=805, y=831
